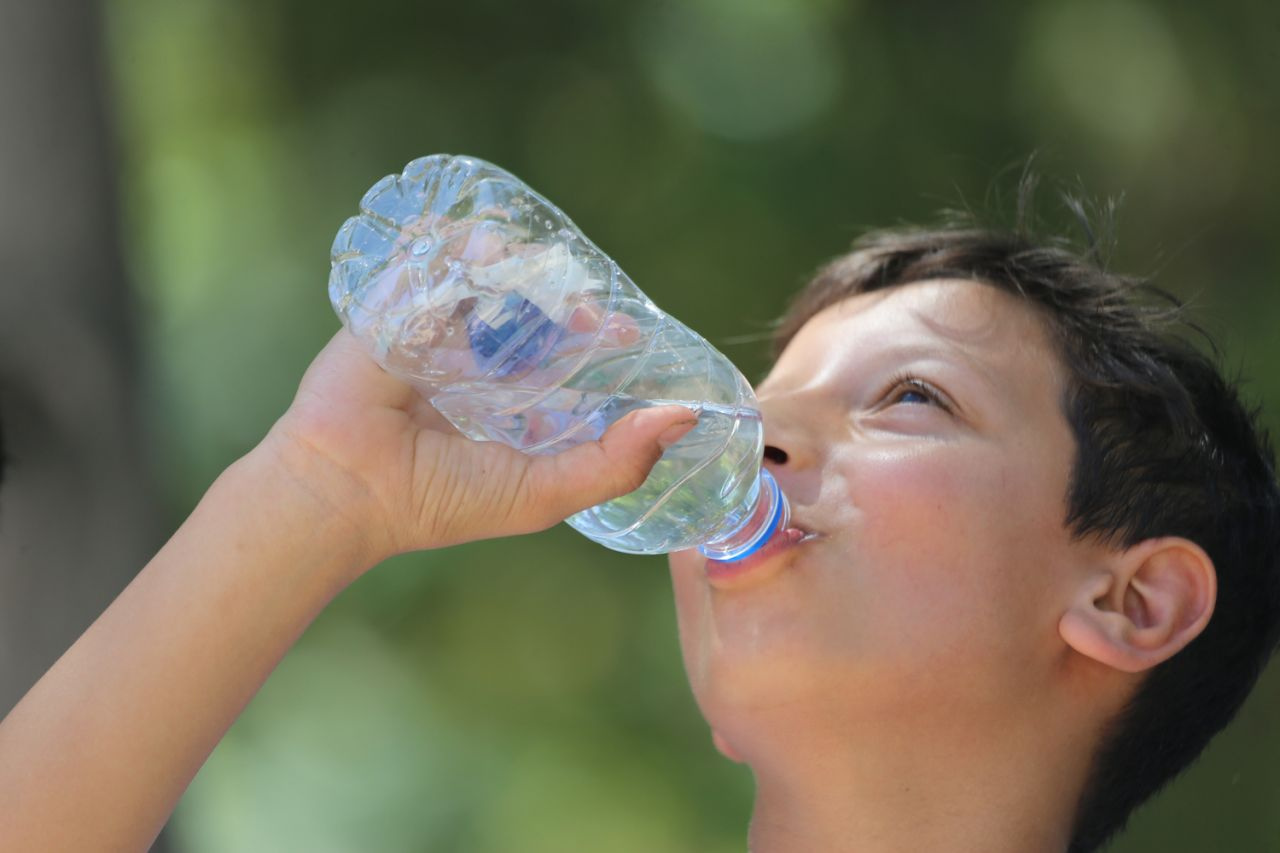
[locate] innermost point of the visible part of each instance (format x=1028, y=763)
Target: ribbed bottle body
x=483, y=295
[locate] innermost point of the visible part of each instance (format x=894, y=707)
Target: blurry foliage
x=528, y=695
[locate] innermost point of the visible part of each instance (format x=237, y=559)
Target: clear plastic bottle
x=485, y=297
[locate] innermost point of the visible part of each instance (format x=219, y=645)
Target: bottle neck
x=768, y=515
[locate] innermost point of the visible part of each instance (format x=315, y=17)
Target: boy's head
x=1047, y=523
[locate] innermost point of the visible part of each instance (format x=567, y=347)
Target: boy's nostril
x=775, y=454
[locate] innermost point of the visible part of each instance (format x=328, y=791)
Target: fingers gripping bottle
x=485, y=297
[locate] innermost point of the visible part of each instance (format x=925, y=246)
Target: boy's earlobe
x=1144, y=607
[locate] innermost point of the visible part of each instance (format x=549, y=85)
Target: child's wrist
x=304, y=500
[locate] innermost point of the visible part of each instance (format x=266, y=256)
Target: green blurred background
x=528, y=694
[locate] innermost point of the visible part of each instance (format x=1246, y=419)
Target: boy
x=1042, y=571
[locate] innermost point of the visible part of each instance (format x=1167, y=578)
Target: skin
x=358, y=469
x=931, y=671
x=928, y=674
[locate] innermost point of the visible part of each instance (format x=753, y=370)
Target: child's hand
x=377, y=455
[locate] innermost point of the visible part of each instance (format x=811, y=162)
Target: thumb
x=616, y=464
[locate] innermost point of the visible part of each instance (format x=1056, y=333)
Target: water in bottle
x=484, y=296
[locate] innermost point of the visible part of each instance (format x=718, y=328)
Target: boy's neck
x=943, y=785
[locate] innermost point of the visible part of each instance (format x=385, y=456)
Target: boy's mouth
x=725, y=575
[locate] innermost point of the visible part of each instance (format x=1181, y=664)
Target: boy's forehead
x=995, y=334
x=971, y=312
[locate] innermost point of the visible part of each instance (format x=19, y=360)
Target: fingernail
x=674, y=433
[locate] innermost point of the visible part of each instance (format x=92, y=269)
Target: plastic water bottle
x=486, y=298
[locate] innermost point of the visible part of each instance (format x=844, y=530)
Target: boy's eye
x=912, y=391
x=912, y=395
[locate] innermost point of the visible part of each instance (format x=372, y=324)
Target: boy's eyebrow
x=949, y=351
x=952, y=351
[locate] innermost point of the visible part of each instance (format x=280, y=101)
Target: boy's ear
x=1143, y=606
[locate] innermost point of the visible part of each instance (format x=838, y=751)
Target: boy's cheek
x=932, y=535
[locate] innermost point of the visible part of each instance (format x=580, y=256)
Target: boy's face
x=937, y=585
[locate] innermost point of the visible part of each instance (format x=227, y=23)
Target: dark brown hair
x=1164, y=447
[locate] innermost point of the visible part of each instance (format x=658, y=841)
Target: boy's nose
x=788, y=443
x=775, y=454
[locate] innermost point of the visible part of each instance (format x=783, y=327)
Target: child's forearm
x=358, y=468
x=97, y=754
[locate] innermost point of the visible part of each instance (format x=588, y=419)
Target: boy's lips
x=725, y=575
